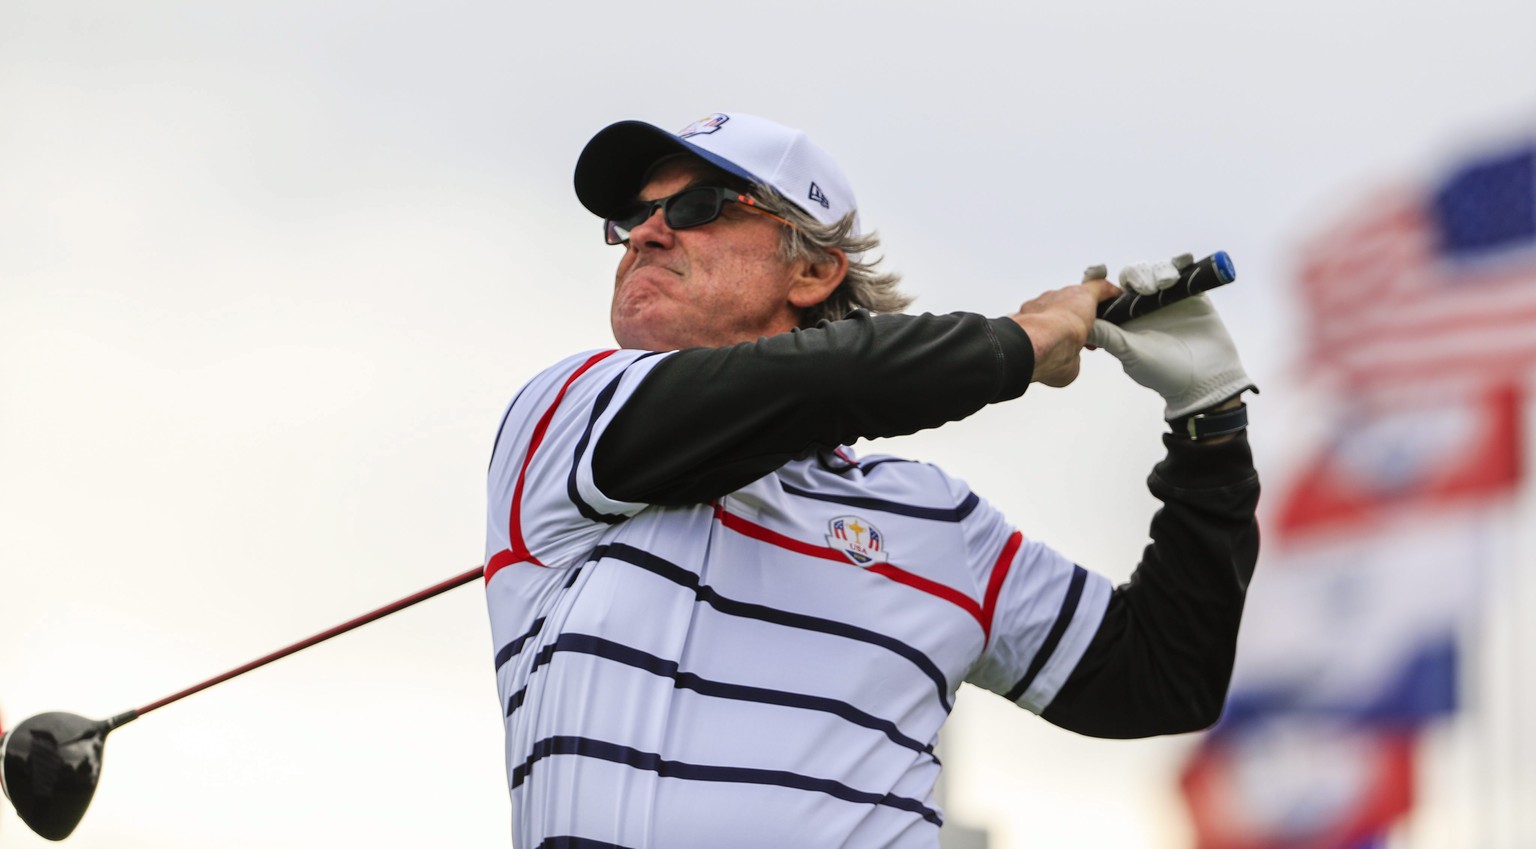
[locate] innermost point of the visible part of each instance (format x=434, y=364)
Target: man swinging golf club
x=728, y=631
x=715, y=625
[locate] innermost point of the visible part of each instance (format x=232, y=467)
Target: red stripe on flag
x=517, y=551
x=885, y=570
x=1385, y=305
x=1410, y=457
x=1247, y=798
x=1437, y=303
x=1357, y=262
x=1447, y=377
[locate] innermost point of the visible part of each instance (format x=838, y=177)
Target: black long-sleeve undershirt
x=708, y=421
x=1162, y=658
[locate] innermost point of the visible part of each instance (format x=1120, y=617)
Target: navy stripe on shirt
x=707, y=594
x=599, y=404
x=614, y=753
x=566, y=841
x=587, y=511
x=937, y=514
x=510, y=650
x=609, y=650
x=1058, y=628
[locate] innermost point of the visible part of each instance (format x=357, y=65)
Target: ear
x=814, y=282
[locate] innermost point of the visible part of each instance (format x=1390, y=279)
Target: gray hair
x=864, y=287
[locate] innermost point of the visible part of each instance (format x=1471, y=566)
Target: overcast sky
x=269, y=273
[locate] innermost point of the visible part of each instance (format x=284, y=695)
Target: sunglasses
x=693, y=207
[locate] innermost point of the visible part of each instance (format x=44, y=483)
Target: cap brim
x=612, y=167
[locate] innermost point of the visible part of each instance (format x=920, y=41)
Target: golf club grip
x=1203, y=276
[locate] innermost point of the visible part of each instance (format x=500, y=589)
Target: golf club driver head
x=49, y=766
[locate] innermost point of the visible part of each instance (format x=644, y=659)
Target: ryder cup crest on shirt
x=858, y=540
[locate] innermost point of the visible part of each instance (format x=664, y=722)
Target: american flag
x=1430, y=286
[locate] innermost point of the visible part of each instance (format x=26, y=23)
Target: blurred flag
x=1371, y=573
x=1436, y=284
x=1299, y=784
x=1430, y=454
x=1375, y=564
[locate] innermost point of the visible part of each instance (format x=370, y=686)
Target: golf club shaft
x=423, y=595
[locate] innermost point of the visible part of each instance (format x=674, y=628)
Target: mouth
x=656, y=268
x=644, y=281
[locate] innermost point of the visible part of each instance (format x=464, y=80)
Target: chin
x=639, y=336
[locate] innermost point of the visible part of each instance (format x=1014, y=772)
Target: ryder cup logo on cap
x=777, y=156
x=704, y=127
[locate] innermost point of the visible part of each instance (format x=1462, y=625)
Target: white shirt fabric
x=771, y=669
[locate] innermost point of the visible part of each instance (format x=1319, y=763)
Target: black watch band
x=1206, y=425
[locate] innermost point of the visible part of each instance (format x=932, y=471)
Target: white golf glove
x=1182, y=351
x=1149, y=278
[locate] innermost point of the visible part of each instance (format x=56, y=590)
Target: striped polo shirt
x=770, y=669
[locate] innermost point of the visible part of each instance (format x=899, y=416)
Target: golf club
x=50, y=763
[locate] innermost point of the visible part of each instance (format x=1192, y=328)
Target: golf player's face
x=716, y=284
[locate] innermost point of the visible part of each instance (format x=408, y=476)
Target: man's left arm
x=1162, y=657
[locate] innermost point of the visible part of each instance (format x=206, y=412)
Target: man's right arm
x=707, y=421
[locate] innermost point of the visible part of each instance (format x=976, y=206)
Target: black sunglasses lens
x=616, y=230
x=694, y=207
x=689, y=208
x=614, y=233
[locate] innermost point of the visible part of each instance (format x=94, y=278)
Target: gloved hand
x=1182, y=351
x=1149, y=278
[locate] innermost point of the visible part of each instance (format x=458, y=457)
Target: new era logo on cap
x=817, y=196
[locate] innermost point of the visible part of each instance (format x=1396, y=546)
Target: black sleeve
x=1162, y=658
x=708, y=421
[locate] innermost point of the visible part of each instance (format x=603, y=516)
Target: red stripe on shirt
x=995, y=582
x=517, y=551
x=885, y=570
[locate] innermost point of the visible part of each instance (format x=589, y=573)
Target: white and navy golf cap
x=613, y=166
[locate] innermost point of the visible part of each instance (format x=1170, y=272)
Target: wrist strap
x=1206, y=425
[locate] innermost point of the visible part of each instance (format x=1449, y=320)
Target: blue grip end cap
x=1224, y=268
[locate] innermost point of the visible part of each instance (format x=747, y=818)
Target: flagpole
x=1503, y=745
x=1522, y=660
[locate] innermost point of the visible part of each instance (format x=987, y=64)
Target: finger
x=1183, y=261
x=1109, y=337
x=1149, y=278
x=1139, y=278
x=1095, y=272
x=1102, y=289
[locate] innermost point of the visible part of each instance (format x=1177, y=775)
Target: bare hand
x=1058, y=323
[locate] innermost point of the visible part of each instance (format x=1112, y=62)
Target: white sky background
x=269, y=274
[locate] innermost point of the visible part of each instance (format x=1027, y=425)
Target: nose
x=653, y=232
